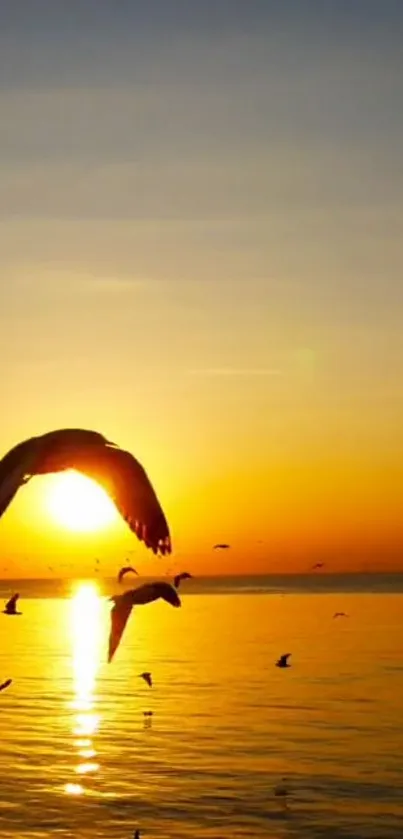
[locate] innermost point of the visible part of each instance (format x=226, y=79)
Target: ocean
x=223, y=726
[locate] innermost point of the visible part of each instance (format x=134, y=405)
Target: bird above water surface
x=5, y=684
x=183, y=576
x=123, y=605
x=147, y=678
x=116, y=470
x=125, y=570
x=11, y=606
x=221, y=546
x=283, y=660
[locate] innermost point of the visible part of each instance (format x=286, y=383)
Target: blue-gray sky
x=200, y=245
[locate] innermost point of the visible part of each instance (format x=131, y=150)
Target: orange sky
x=200, y=257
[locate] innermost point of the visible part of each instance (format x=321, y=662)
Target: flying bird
x=317, y=565
x=11, y=606
x=283, y=660
x=221, y=546
x=183, y=576
x=147, y=678
x=116, y=470
x=5, y=684
x=340, y=615
x=123, y=604
x=125, y=570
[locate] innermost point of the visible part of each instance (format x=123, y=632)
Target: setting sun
x=80, y=504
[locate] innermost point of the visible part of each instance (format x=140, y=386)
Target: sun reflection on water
x=86, y=636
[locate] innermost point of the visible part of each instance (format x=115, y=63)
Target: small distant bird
x=340, y=615
x=183, y=576
x=147, y=713
x=6, y=684
x=283, y=660
x=116, y=470
x=11, y=606
x=281, y=791
x=147, y=678
x=125, y=570
x=221, y=546
x=123, y=604
x=317, y=565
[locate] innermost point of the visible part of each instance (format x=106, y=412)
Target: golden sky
x=200, y=257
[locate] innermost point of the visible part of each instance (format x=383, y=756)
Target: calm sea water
x=78, y=758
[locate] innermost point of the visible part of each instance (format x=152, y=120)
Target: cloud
x=236, y=371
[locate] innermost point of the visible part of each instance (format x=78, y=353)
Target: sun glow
x=80, y=504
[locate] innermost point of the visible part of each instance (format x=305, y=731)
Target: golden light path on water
x=86, y=626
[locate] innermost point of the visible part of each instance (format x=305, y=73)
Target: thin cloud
x=236, y=371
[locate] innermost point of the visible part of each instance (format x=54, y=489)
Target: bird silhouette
x=5, y=684
x=116, y=470
x=11, y=606
x=125, y=570
x=221, y=546
x=317, y=565
x=183, y=576
x=340, y=615
x=123, y=604
x=283, y=660
x=147, y=678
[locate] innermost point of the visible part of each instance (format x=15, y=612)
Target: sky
x=201, y=214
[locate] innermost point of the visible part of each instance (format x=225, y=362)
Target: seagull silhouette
x=11, y=606
x=183, y=576
x=317, y=565
x=283, y=660
x=147, y=678
x=221, y=546
x=123, y=604
x=125, y=570
x=340, y=615
x=5, y=684
x=116, y=470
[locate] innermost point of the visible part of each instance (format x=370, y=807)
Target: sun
x=78, y=503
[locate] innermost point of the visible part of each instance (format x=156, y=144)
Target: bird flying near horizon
x=340, y=615
x=116, y=470
x=125, y=570
x=183, y=576
x=147, y=678
x=221, y=546
x=317, y=565
x=6, y=684
x=283, y=660
x=123, y=605
x=11, y=606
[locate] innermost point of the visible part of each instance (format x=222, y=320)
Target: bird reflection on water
x=86, y=652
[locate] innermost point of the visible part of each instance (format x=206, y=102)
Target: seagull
x=116, y=470
x=5, y=684
x=317, y=565
x=125, y=570
x=222, y=546
x=147, y=713
x=283, y=660
x=340, y=615
x=11, y=606
x=147, y=678
x=123, y=604
x=183, y=576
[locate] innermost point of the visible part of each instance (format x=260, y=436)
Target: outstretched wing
x=120, y=614
x=5, y=684
x=12, y=602
x=116, y=470
x=167, y=592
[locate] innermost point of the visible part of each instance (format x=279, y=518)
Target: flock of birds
x=127, y=483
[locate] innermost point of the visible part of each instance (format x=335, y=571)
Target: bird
x=125, y=570
x=281, y=791
x=116, y=470
x=340, y=615
x=147, y=713
x=183, y=576
x=317, y=565
x=136, y=834
x=147, y=678
x=123, y=604
x=283, y=660
x=5, y=684
x=221, y=546
x=11, y=606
